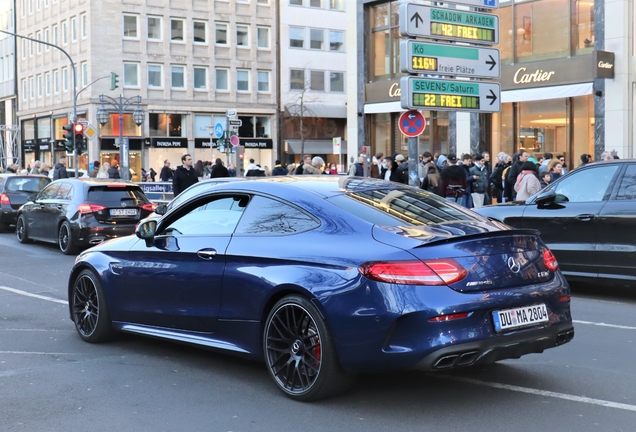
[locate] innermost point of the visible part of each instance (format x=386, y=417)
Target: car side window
x=49, y=192
x=211, y=217
x=65, y=191
x=265, y=216
x=587, y=185
x=627, y=190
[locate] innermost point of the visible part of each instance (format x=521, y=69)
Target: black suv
x=81, y=213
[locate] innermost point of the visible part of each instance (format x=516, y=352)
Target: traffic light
x=114, y=80
x=240, y=159
x=68, y=137
x=78, y=129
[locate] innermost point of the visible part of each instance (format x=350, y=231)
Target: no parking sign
x=412, y=123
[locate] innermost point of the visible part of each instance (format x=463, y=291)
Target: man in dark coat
x=95, y=170
x=305, y=160
x=166, y=173
x=218, y=170
x=453, y=175
x=184, y=176
x=113, y=172
x=403, y=169
x=279, y=169
x=59, y=172
x=514, y=171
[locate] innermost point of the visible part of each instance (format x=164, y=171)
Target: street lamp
x=103, y=116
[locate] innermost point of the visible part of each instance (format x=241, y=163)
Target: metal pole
x=74, y=87
x=124, y=173
x=228, y=149
x=414, y=178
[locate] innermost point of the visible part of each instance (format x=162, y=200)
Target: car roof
x=322, y=185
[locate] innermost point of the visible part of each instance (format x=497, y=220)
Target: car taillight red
x=549, y=260
x=149, y=207
x=433, y=272
x=4, y=199
x=89, y=208
x=450, y=317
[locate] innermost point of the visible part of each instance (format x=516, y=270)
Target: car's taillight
x=433, y=272
x=149, y=207
x=89, y=208
x=450, y=317
x=549, y=260
x=4, y=199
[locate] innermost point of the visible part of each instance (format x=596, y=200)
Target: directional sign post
x=448, y=24
x=450, y=95
x=449, y=60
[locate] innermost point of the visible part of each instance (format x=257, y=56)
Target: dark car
x=322, y=277
x=14, y=191
x=587, y=218
x=81, y=213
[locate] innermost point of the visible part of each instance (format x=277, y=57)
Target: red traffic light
x=241, y=155
x=78, y=128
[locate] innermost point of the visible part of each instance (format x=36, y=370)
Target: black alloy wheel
x=65, y=240
x=21, y=230
x=90, y=311
x=300, y=353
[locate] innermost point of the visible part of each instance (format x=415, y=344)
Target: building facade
x=189, y=61
x=567, y=79
x=9, y=148
x=313, y=67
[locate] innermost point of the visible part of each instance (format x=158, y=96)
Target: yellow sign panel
x=90, y=132
x=431, y=100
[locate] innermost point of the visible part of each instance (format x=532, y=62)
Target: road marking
x=28, y=294
x=36, y=330
x=604, y=325
x=551, y=394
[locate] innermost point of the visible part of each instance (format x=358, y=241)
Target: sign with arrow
x=448, y=24
x=450, y=95
x=412, y=123
x=449, y=60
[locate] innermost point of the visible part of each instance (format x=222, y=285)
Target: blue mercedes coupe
x=322, y=277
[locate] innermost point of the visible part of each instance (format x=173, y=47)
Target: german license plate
x=123, y=212
x=520, y=317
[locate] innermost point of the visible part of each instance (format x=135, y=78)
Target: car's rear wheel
x=300, y=353
x=90, y=311
x=21, y=230
x=65, y=240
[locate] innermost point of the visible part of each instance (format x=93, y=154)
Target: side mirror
x=545, y=198
x=161, y=209
x=146, y=230
x=32, y=197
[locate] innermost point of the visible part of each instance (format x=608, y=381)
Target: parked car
x=81, y=213
x=190, y=192
x=587, y=218
x=323, y=277
x=14, y=191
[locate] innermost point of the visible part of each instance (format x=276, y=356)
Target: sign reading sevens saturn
x=412, y=123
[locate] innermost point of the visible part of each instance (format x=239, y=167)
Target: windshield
x=399, y=207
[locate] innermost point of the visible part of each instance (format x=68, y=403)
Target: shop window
x=112, y=127
x=385, y=41
x=28, y=130
x=255, y=127
x=582, y=25
x=541, y=30
x=202, y=125
x=543, y=126
x=505, y=33
x=161, y=125
x=263, y=127
x=44, y=127
x=583, y=130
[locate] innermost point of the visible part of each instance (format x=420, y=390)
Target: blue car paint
x=375, y=325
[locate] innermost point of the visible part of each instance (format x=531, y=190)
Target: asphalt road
x=52, y=381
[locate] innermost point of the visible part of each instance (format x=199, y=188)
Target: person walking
x=455, y=176
x=59, y=172
x=113, y=172
x=527, y=183
x=218, y=170
x=514, y=172
x=166, y=173
x=305, y=160
x=95, y=170
x=432, y=180
x=152, y=174
x=279, y=169
x=184, y=176
x=402, y=169
x=315, y=167
x=480, y=183
x=103, y=171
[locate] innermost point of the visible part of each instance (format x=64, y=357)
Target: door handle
x=207, y=254
x=585, y=217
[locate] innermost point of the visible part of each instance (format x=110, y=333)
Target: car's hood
x=116, y=244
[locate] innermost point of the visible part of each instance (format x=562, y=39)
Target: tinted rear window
x=114, y=195
x=399, y=207
x=26, y=184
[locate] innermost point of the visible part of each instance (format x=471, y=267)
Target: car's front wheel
x=300, y=353
x=21, y=230
x=65, y=239
x=90, y=311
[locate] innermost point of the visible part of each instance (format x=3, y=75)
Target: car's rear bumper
x=91, y=236
x=8, y=215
